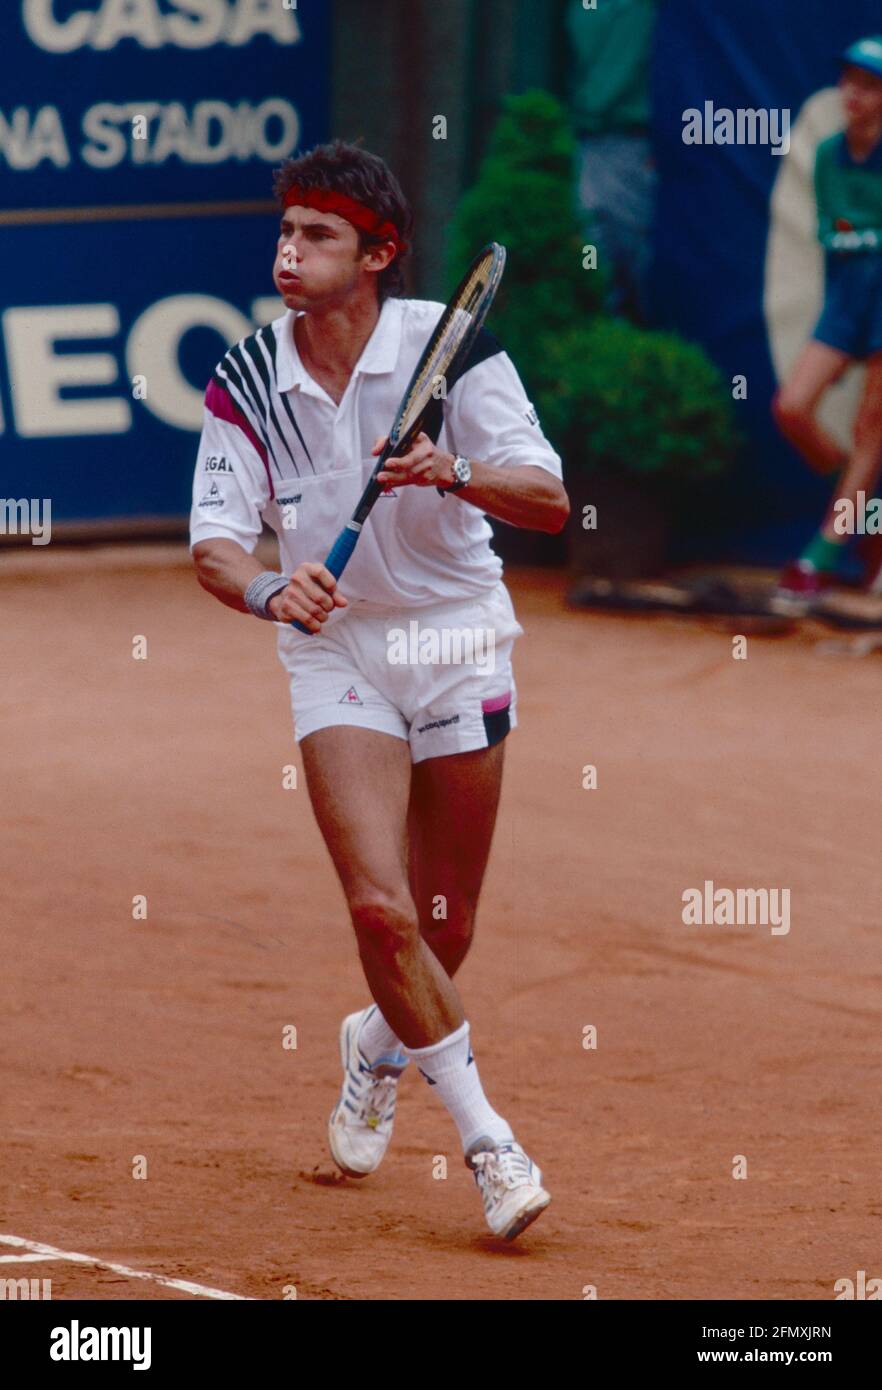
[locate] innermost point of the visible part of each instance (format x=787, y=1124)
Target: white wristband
x=261, y=589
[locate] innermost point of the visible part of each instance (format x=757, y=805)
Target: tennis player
x=848, y=187
x=403, y=692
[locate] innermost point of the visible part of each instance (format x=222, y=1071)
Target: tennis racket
x=445, y=351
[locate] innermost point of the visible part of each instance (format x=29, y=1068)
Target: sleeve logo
x=213, y=497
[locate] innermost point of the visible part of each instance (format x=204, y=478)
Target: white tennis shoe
x=361, y=1122
x=510, y=1185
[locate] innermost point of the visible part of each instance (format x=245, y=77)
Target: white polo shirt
x=276, y=448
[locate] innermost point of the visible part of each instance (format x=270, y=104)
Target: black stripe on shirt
x=485, y=346
x=251, y=347
x=268, y=338
x=248, y=383
x=228, y=376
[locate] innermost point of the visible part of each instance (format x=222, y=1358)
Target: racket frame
x=400, y=440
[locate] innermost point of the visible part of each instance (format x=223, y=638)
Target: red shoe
x=800, y=585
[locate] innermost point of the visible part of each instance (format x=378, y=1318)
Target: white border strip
x=26, y=1259
x=37, y=1250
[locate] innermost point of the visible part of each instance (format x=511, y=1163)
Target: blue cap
x=866, y=53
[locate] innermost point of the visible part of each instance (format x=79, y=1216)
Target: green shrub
x=609, y=396
x=630, y=400
x=524, y=197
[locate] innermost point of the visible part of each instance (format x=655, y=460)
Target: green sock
x=823, y=554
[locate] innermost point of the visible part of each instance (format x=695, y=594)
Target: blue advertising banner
x=742, y=94
x=137, y=142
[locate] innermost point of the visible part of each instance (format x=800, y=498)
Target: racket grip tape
x=342, y=549
x=337, y=560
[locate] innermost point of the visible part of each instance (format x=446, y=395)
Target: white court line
x=49, y=1252
x=27, y=1259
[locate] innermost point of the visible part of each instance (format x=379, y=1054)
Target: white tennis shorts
x=438, y=676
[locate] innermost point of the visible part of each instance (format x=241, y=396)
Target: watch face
x=462, y=469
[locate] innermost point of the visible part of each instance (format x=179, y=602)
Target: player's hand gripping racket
x=446, y=349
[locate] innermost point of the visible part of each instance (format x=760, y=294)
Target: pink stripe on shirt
x=222, y=406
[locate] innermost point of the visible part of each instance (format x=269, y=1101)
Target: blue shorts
x=851, y=319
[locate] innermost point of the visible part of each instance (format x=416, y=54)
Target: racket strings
x=449, y=337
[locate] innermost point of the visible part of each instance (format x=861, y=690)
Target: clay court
x=163, y=1038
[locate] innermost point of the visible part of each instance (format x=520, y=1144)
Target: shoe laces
x=378, y=1099
x=504, y=1168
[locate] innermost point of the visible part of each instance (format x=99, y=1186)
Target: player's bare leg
x=458, y=796
x=359, y=786
x=451, y=818
x=796, y=402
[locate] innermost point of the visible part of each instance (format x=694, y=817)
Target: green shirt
x=609, y=68
x=849, y=197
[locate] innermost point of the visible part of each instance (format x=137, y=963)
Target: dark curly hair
x=348, y=169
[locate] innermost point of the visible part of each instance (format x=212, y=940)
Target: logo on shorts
x=213, y=497
x=438, y=724
x=351, y=697
x=530, y=415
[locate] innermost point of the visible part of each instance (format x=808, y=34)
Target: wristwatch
x=462, y=473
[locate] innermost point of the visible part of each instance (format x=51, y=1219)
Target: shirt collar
x=380, y=352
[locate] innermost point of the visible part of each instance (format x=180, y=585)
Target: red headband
x=326, y=200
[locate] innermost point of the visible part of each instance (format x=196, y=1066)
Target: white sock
x=450, y=1067
x=376, y=1039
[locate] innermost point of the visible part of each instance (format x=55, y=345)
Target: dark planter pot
x=632, y=527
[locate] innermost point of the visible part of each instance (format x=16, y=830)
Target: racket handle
x=342, y=549
x=337, y=560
